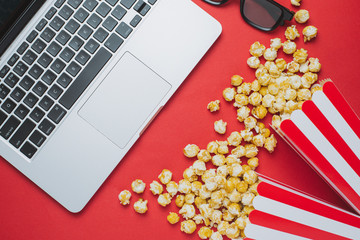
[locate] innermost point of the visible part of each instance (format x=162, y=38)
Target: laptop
x=80, y=80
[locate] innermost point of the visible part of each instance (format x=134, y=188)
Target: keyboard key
x=152, y=2
x=56, y=114
x=54, y=49
x=47, y=34
x=90, y=4
x=103, y=9
x=76, y=43
x=110, y=23
x=3, y=117
x=63, y=37
x=30, y=100
x=73, y=69
x=72, y=26
x=67, y=54
x=55, y=91
x=36, y=71
x=118, y=12
x=11, y=80
x=75, y=3
x=37, y=138
x=85, y=32
x=144, y=10
x=4, y=71
x=59, y=3
x=28, y=150
x=17, y=94
x=124, y=30
x=82, y=57
x=20, y=68
x=50, y=13
x=127, y=3
x=39, y=89
x=64, y=80
x=4, y=91
x=114, y=42
x=58, y=66
x=22, y=133
x=37, y=114
x=9, y=127
x=139, y=5
x=66, y=12
x=32, y=36
x=91, y=46
x=13, y=59
x=46, y=103
x=46, y=126
x=22, y=48
x=85, y=78
x=101, y=35
x=112, y=2
x=40, y=26
x=135, y=21
x=49, y=77
x=57, y=23
x=29, y=57
x=38, y=46
x=81, y=15
x=8, y=105
x=21, y=111
x=94, y=20
x=26, y=83
x=45, y=60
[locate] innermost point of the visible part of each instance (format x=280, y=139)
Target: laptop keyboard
x=55, y=64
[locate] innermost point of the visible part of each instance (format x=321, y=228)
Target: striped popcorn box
x=326, y=133
x=284, y=213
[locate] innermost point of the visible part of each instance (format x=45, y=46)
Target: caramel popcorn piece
x=214, y=106
x=165, y=176
x=289, y=47
x=292, y=33
x=302, y=16
x=309, y=33
x=141, y=206
x=156, y=188
x=173, y=218
x=191, y=150
x=188, y=226
x=236, y=80
x=257, y=49
x=220, y=126
x=229, y=94
x=138, y=186
x=253, y=62
x=295, y=2
x=124, y=197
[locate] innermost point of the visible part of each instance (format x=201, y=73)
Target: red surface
x=26, y=212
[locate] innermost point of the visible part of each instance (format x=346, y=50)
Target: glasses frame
x=286, y=14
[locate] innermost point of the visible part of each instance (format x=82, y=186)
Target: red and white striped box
x=326, y=133
x=282, y=212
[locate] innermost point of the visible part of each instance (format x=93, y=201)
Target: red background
x=26, y=212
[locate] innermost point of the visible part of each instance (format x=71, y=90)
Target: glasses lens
x=216, y=2
x=262, y=12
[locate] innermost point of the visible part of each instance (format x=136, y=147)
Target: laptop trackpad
x=124, y=100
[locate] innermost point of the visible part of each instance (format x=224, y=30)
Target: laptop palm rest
x=124, y=100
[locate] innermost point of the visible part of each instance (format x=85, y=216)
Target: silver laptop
x=81, y=79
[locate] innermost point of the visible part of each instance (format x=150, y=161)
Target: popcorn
x=250, y=177
x=216, y=216
x=247, y=198
x=303, y=94
x=314, y=65
x=187, y=211
x=251, y=150
x=204, y=155
x=172, y=188
x=309, y=33
x=223, y=147
x=199, y=167
x=173, y=218
x=304, y=67
x=244, y=88
x=212, y=147
x=264, y=79
x=270, y=143
x=302, y=16
x=259, y=140
x=250, y=123
x=253, y=62
x=235, y=170
x=216, y=236
x=293, y=67
x=180, y=200
x=165, y=176
x=234, y=139
x=242, y=186
x=188, y=226
x=289, y=47
x=189, y=174
x=222, y=226
x=220, y=126
x=281, y=64
x=291, y=33
x=229, y=94
x=164, y=199
x=300, y=56
x=247, y=135
x=236, y=80
x=255, y=99
x=156, y=188
x=214, y=106
x=190, y=198
x=268, y=100
x=255, y=86
x=232, y=231
x=295, y=2
x=257, y=49
x=241, y=100
x=270, y=54
x=243, y=113
x=205, y=232
x=124, y=197
x=141, y=206
x=184, y=186
x=138, y=186
x=218, y=160
x=191, y=150
x=276, y=121
x=275, y=43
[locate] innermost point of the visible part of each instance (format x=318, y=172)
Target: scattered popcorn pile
x=219, y=197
